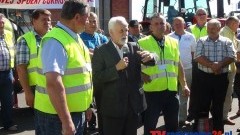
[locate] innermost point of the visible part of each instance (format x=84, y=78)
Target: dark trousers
x=50, y=124
x=6, y=98
x=121, y=126
x=98, y=95
x=194, y=95
x=212, y=90
x=165, y=101
x=237, y=87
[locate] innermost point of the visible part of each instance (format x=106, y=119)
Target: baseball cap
x=133, y=23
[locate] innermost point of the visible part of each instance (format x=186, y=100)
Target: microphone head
x=125, y=50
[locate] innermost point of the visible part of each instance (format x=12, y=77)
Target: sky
x=137, y=9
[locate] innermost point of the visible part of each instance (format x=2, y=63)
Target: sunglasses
x=200, y=14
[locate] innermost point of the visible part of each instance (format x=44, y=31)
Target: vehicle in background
x=183, y=8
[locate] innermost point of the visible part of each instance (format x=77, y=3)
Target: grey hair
x=201, y=9
x=214, y=22
x=231, y=18
x=158, y=15
x=114, y=20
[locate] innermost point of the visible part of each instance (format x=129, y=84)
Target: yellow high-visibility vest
x=76, y=78
x=197, y=32
x=165, y=73
x=32, y=66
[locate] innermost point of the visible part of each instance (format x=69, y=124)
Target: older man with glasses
x=198, y=30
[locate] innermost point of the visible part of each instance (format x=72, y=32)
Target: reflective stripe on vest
x=33, y=56
x=76, y=79
x=31, y=41
x=163, y=74
x=71, y=71
x=69, y=90
x=170, y=62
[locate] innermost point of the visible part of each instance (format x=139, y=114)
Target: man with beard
x=117, y=69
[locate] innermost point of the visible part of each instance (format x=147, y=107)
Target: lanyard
x=161, y=51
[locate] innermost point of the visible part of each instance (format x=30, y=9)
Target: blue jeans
x=6, y=90
x=166, y=102
x=50, y=124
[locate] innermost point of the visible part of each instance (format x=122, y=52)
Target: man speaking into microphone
x=117, y=74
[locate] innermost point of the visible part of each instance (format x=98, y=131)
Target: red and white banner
x=36, y=4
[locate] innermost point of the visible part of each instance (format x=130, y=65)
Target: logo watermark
x=155, y=132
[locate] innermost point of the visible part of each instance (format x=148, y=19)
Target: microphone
x=126, y=51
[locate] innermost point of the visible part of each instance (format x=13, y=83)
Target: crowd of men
x=130, y=75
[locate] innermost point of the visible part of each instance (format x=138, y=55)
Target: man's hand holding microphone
x=123, y=63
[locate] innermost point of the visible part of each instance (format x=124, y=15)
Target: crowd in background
x=130, y=77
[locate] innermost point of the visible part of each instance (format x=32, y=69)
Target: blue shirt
x=54, y=56
x=91, y=41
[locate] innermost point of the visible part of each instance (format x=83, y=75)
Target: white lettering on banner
x=36, y=4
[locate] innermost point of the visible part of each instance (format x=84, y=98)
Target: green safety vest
x=32, y=66
x=76, y=78
x=164, y=74
x=8, y=37
x=197, y=32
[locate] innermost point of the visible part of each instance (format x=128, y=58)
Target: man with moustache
x=161, y=88
x=117, y=69
x=198, y=30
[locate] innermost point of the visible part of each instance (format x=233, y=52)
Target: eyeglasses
x=201, y=14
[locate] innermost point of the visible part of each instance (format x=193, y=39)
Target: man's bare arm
x=56, y=91
x=23, y=78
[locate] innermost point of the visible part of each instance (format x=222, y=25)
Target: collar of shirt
x=160, y=41
x=134, y=38
x=2, y=36
x=230, y=30
x=69, y=31
x=38, y=37
x=120, y=51
x=90, y=35
x=210, y=40
x=200, y=27
x=179, y=36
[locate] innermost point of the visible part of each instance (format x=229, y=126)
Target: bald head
x=178, y=25
x=213, y=29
